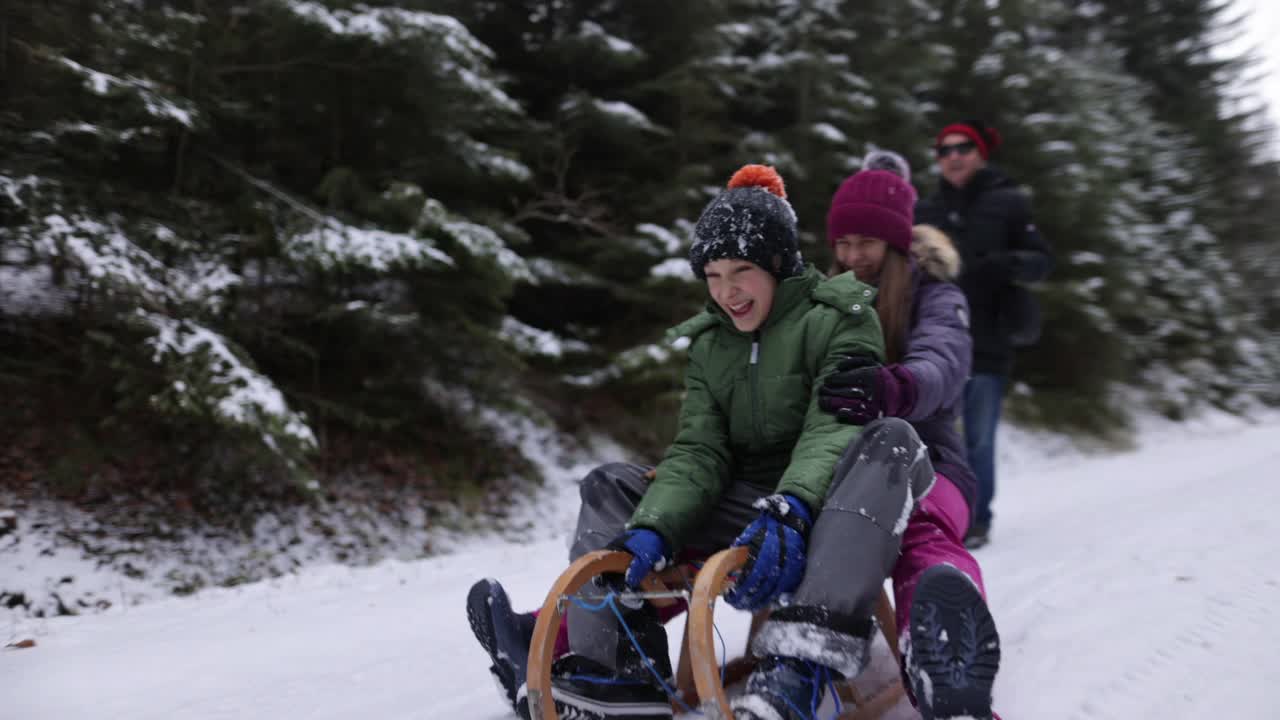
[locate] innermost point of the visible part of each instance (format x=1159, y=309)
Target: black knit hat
x=750, y=220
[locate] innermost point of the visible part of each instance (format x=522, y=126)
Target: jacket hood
x=935, y=253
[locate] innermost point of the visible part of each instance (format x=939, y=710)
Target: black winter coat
x=990, y=221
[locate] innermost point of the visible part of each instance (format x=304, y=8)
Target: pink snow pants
x=934, y=536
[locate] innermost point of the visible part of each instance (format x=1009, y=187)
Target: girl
x=937, y=583
x=753, y=450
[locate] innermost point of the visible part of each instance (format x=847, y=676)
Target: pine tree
x=261, y=239
x=264, y=248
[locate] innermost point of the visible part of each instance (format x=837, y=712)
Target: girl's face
x=743, y=290
x=863, y=255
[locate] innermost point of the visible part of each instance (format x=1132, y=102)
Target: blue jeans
x=983, y=395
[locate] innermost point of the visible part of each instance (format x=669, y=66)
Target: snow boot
x=977, y=536
x=953, y=650
x=505, y=635
x=784, y=688
x=629, y=688
x=583, y=689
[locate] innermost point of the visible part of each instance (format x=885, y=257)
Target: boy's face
x=743, y=290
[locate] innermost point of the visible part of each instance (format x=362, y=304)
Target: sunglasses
x=963, y=148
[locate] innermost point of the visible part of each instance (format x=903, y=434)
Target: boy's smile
x=743, y=290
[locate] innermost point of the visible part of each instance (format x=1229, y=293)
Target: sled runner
x=698, y=675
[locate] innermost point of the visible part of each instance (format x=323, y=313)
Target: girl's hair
x=893, y=302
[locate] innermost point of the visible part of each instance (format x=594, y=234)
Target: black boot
x=977, y=536
x=505, y=635
x=583, y=689
x=953, y=649
x=629, y=689
x=784, y=688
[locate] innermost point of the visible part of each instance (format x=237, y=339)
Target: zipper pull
x=755, y=347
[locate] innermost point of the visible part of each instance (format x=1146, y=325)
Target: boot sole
x=572, y=705
x=480, y=617
x=953, y=672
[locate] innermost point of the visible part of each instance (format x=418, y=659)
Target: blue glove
x=776, y=561
x=648, y=553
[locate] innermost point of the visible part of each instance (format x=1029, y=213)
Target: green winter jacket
x=750, y=412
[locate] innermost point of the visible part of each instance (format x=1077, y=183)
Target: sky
x=1262, y=33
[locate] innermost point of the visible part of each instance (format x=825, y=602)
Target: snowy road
x=1140, y=585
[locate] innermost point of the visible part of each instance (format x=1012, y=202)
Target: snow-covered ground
x=1132, y=585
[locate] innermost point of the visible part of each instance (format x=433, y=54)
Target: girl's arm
x=939, y=350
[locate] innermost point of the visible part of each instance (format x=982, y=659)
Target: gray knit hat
x=881, y=159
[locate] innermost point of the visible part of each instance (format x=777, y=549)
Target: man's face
x=958, y=159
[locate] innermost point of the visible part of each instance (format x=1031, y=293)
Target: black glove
x=853, y=392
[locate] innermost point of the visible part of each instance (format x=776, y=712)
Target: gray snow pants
x=853, y=547
x=610, y=494
x=851, y=550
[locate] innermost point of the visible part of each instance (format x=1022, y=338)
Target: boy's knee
x=604, y=483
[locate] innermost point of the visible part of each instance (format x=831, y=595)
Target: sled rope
x=610, y=602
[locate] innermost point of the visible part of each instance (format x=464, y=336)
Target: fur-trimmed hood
x=935, y=252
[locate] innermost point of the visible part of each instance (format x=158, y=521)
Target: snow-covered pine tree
x=1204, y=87
x=247, y=231
x=241, y=232
x=1144, y=283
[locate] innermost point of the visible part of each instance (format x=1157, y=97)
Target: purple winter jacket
x=938, y=355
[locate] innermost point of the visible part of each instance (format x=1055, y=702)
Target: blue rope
x=821, y=683
x=597, y=680
x=609, y=602
x=598, y=607
x=835, y=693
x=724, y=653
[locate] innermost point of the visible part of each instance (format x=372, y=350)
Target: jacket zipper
x=755, y=388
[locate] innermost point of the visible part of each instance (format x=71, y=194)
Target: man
x=989, y=219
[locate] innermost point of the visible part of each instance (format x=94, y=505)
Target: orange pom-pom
x=759, y=176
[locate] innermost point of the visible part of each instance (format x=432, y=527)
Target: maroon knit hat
x=873, y=203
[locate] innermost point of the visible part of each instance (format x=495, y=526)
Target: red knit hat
x=876, y=204
x=984, y=136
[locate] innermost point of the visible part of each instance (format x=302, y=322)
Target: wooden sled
x=712, y=581
x=698, y=670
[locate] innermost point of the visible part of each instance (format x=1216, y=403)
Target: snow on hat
x=873, y=203
x=749, y=220
x=983, y=135
x=879, y=159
